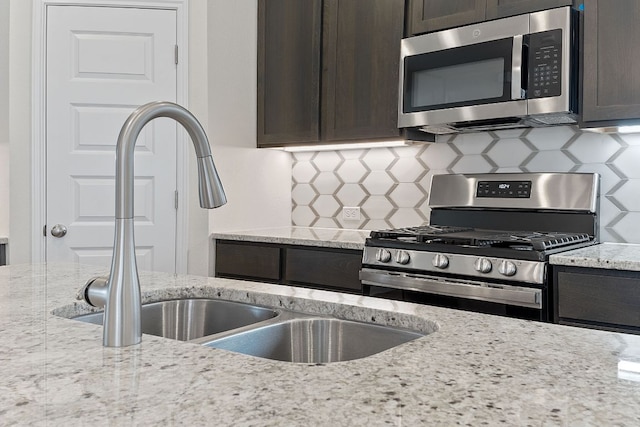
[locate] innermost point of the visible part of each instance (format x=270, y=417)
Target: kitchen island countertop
x=307, y=236
x=475, y=369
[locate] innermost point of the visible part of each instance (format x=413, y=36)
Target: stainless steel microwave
x=513, y=72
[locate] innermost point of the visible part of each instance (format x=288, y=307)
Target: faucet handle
x=95, y=291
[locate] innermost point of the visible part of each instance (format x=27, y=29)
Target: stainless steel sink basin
x=263, y=332
x=314, y=340
x=188, y=319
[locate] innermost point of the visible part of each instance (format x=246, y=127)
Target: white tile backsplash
x=391, y=185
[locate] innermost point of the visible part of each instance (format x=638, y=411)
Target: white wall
x=4, y=117
x=198, y=256
x=257, y=182
x=222, y=94
x=222, y=76
x=20, y=131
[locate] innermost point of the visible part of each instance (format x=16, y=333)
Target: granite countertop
x=309, y=236
x=475, y=369
x=3, y=240
x=613, y=256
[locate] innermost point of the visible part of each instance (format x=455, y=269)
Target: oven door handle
x=498, y=293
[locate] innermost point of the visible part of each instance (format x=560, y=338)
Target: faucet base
x=122, y=324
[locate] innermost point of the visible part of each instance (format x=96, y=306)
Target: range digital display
x=504, y=189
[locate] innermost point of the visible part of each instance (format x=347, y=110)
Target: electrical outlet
x=352, y=213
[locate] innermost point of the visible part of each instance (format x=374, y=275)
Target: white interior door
x=102, y=63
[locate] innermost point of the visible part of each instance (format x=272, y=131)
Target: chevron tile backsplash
x=391, y=185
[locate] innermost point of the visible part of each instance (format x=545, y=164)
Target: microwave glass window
x=458, y=83
x=458, y=77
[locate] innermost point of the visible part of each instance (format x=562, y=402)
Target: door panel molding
x=38, y=97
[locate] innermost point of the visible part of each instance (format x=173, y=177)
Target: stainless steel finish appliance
x=487, y=245
x=514, y=72
x=120, y=292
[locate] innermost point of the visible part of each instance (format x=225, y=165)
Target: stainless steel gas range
x=487, y=245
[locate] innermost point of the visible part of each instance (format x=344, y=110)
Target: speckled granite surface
x=476, y=369
x=309, y=236
x=3, y=240
x=614, y=256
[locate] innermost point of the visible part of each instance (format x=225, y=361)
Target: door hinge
x=176, y=199
x=44, y=230
x=176, y=54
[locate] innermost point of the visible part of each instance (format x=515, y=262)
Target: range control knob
x=440, y=261
x=507, y=268
x=483, y=265
x=402, y=257
x=383, y=255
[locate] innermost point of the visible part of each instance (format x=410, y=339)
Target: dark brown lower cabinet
x=3, y=254
x=247, y=261
x=597, y=298
x=306, y=266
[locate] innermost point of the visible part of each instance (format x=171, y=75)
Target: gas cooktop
x=470, y=237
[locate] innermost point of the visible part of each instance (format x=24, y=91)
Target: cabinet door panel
x=502, y=8
x=361, y=53
x=600, y=299
x=334, y=268
x=247, y=260
x=289, y=37
x=432, y=15
x=611, y=81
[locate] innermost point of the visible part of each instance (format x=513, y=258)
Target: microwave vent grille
x=551, y=119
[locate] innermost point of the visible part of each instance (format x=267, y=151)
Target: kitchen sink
x=314, y=340
x=275, y=334
x=189, y=319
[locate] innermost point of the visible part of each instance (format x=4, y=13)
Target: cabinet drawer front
x=599, y=298
x=247, y=260
x=335, y=269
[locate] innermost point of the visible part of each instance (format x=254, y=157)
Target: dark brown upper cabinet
x=610, y=79
x=361, y=56
x=328, y=70
x=503, y=8
x=289, y=43
x=425, y=16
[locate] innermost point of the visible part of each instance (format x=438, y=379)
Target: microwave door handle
x=516, y=68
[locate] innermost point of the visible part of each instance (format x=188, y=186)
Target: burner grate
x=559, y=241
x=537, y=240
x=469, y=237
x=416, y=232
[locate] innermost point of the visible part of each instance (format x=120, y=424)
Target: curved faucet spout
x=211, y=191
x=122, y=302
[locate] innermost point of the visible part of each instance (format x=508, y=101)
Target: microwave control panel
x=545, y=64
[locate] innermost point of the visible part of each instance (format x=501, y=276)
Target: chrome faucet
x=119, y=293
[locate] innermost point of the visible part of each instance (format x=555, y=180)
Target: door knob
x=58, y=230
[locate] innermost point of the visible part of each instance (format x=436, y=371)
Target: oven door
x=493, y=298
x=464, y=74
